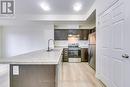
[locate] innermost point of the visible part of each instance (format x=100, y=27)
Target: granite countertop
x=35, y=57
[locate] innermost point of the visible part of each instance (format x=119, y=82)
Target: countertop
x=35, y=57
x=83, y=46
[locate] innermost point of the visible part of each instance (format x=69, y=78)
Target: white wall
x=26, y=38
x=48, y=34
x=93, y=7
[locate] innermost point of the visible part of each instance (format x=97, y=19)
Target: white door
x=127, y=44
x=114, y=33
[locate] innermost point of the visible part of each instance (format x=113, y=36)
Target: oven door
x=74, y=53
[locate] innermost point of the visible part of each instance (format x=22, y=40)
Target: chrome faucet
x=49, y=44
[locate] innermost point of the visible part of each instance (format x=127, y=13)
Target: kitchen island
x=35, y=69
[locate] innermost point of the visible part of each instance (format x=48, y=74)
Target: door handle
x=125, y=56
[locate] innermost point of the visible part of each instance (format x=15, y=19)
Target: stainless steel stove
x=74, y=53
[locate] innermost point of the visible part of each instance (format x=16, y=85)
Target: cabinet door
x=84, y=54
x=81, y=34
x=4, y=75
x=84, y=34
x=61, y=34
x=65, y=55
x=33, y=76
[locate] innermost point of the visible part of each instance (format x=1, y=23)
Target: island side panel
x=58, y=74
x=33, y=76
x=4, y=75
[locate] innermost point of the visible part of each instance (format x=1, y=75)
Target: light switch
x=15, y=70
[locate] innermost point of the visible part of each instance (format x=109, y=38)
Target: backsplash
x=65, y=43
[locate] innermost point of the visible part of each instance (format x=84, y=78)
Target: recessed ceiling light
x=77, y=6
x=45, y=6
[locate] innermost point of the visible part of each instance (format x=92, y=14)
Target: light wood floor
x=79, y=75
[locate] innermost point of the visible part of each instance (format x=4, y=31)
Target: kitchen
x=22, y=69
x=64, y=43
x=76, y=43
x=71, y=38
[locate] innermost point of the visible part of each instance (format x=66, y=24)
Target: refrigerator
x=92, y=50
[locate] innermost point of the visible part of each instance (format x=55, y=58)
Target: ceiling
x=58, y=7
x=61, y=11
